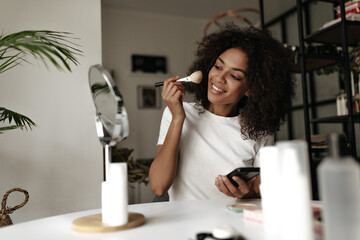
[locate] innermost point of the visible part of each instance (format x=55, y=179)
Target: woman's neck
x=223, y=110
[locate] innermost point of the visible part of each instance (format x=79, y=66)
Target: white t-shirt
x=210, y=145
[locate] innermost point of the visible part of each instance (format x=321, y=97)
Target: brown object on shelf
x=5, y=219
x=232, y=13
x=319, y=141
x=93, y=223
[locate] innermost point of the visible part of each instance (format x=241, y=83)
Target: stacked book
x=350, y=7
x=352, y=13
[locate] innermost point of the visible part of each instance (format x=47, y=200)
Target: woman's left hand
x=244, y=190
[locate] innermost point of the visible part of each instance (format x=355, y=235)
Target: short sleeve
x=266, y=141
x=164, y=126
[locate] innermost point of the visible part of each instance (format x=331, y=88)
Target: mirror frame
x=120, y=129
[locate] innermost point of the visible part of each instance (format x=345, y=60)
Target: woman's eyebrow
x=236, y=69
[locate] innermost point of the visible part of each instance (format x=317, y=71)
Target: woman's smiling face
x=227, y=82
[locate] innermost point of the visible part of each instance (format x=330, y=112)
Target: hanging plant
x=354, y=59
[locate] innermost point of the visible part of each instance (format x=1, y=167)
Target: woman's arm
x=163, y=169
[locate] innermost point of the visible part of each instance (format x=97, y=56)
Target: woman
x=241, y=101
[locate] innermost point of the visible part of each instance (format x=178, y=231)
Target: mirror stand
x=107, y=159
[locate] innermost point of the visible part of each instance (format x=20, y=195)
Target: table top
x=163, y=220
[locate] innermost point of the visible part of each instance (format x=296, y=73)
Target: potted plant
x=138, y=171
x=48, y=46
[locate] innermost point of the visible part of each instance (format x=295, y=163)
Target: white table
x=164, y=220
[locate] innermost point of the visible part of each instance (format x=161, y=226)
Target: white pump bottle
x=339, y=185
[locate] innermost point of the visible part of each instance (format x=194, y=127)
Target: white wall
x=60, y=161
x=126, y=33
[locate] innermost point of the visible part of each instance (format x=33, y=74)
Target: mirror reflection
x=111, y=116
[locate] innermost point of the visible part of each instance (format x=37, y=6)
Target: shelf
x=319, y=149
x=318, y=103
x=315, y=62
x=332, y=34
x=336, y=119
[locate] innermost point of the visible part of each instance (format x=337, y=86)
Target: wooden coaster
x=93, y=223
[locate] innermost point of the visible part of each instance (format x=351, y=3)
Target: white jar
x=341, y=103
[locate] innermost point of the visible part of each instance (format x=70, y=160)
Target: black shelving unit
x=344, y=34
x=312, y=63
x=341, y=34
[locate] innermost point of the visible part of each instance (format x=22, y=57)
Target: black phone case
x=246, y=173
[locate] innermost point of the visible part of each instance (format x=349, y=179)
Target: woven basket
x=5, y=219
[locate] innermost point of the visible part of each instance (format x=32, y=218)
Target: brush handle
x=185, y=79
x=159, y=84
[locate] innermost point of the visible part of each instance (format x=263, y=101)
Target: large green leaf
x=48, y=46
x=20, y=121
x=51, y=47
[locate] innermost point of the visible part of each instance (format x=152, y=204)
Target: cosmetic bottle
x=271, y=190
x=295, y=192
x=339, y=185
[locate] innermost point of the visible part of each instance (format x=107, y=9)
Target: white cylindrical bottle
x=339, y=185
x=115, y=196
x=295, y=196
x=271, y=190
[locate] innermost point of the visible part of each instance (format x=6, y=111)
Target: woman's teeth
x=217, y=89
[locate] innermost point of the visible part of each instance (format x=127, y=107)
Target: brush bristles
x=196, y=77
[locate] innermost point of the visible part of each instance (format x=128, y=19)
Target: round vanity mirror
x=111, y=117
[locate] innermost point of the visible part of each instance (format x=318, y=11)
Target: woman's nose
x=220, y=78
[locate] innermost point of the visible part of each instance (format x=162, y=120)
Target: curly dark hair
x=269, y=79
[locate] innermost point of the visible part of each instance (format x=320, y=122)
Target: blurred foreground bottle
x=339, y=184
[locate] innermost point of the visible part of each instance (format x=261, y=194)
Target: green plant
x=354, y=60
x=47, y=46
x=138, y=171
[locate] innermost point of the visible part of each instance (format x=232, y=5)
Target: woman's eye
x=235, y=77
x=217, y=67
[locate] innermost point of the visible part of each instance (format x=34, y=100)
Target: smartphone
x=246, y=173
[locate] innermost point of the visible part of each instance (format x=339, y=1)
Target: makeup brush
x=195, y=77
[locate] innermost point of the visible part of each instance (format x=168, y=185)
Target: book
x=349, y=17
x=350, y=5
x=354, y=10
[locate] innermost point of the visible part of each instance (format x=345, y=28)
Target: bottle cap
x=337, y=145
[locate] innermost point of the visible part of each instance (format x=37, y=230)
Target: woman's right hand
x=173, y=93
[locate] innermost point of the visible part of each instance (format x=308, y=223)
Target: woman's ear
x=248, y=93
